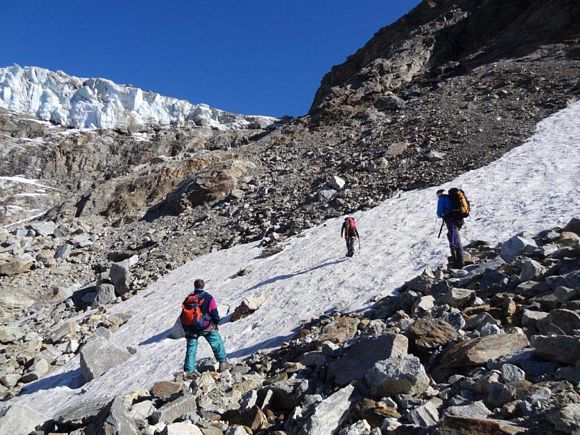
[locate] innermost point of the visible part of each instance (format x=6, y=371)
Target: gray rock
x=81, y=241
x=20, y=420
x=478, y=321
x=64, y=330
x=490, y=329
x=531, y=270
x=531, y=318
x=10, y=380
x=336, y=183
x=361, y=427
x=500, y=394
x=63, y=252
x=493, y=278
x=364, y=353
x=435, y=156
x=403, y=374
x=472, y=410
x=120, y=275
x=117, y=419
x=571, y=280
x=425, y=415
x=43, y=228
x=566, y=320
x=175, y=409
x=326, y=194
x=515, y=246
x=396, y=149
x=389, y=101
x=10, y=334
x=564, y=294
x=566, y=419
x=98, y=356
x=105, y=294
x=457, y=297
x=184, y=428
x=454, y=318
x=560, y=348
x=329, y=414
x=511, y=373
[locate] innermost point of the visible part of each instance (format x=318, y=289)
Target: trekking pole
x=359, y=243
x=441, y=229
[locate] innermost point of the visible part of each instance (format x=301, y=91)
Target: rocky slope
x=178, y=192
x=492, y=348
x=100, y=103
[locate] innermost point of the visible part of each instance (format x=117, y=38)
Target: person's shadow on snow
x=292, y=275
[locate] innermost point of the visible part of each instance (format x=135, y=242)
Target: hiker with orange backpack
x=200, y=318
x=350, y=233
x=452, y=208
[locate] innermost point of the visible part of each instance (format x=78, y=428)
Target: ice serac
x=100, y=103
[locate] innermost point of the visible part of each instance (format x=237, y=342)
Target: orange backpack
x=192, y=316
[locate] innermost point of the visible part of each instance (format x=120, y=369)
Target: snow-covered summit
x=100, y=103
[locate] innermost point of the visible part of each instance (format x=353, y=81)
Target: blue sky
x=252, y=57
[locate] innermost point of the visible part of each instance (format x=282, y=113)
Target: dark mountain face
x=440, y=38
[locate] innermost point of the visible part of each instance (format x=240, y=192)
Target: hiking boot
x=224, y=365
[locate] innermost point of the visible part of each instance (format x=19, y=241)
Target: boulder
x=425, y=415
x=340, y=329
x=361, y=427
x=560, y=348
x=98, y=356
x=105, y=294
x=330, y=413
x=399, y=375
x=456, y=297
x=326, y=194
x=566, y=320
x=480, y=350
x=43, y=228
x=573, y=226
x=396, y=149
x=434, y=156
x=511, y=373
x=515, y=246
x=175, y=409
x=114, y=419
x=389, y=101
x=142, y=410
x=571, y=280
x=63, y=252
x=166, y=390
x=182, y=428
x=336, y=183
x=566, y=419
x=471, y=410
x=120, y=275
x=10, y=334
x=531, y=318
x=454, y=425
x=20, y=420
x=64, y=330
x=531, y=270
x=428, y=334
x=17, y=265
x=249, y=305
x=361, y=356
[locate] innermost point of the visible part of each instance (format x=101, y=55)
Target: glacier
x=98, y=103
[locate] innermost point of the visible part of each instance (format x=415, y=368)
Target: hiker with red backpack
x=350, y=233
x=452, y=208
x=200, y=318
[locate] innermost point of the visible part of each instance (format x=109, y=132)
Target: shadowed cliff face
x=441, y=37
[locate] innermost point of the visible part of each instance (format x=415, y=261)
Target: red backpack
x=350, y=224
x=192, y=316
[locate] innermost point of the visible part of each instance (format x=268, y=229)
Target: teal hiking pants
x=215, y=341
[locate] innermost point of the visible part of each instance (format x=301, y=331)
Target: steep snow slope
x=532, y=187
x=100, y=103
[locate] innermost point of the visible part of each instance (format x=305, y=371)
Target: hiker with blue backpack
x=453, y=207
x=200, y=318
